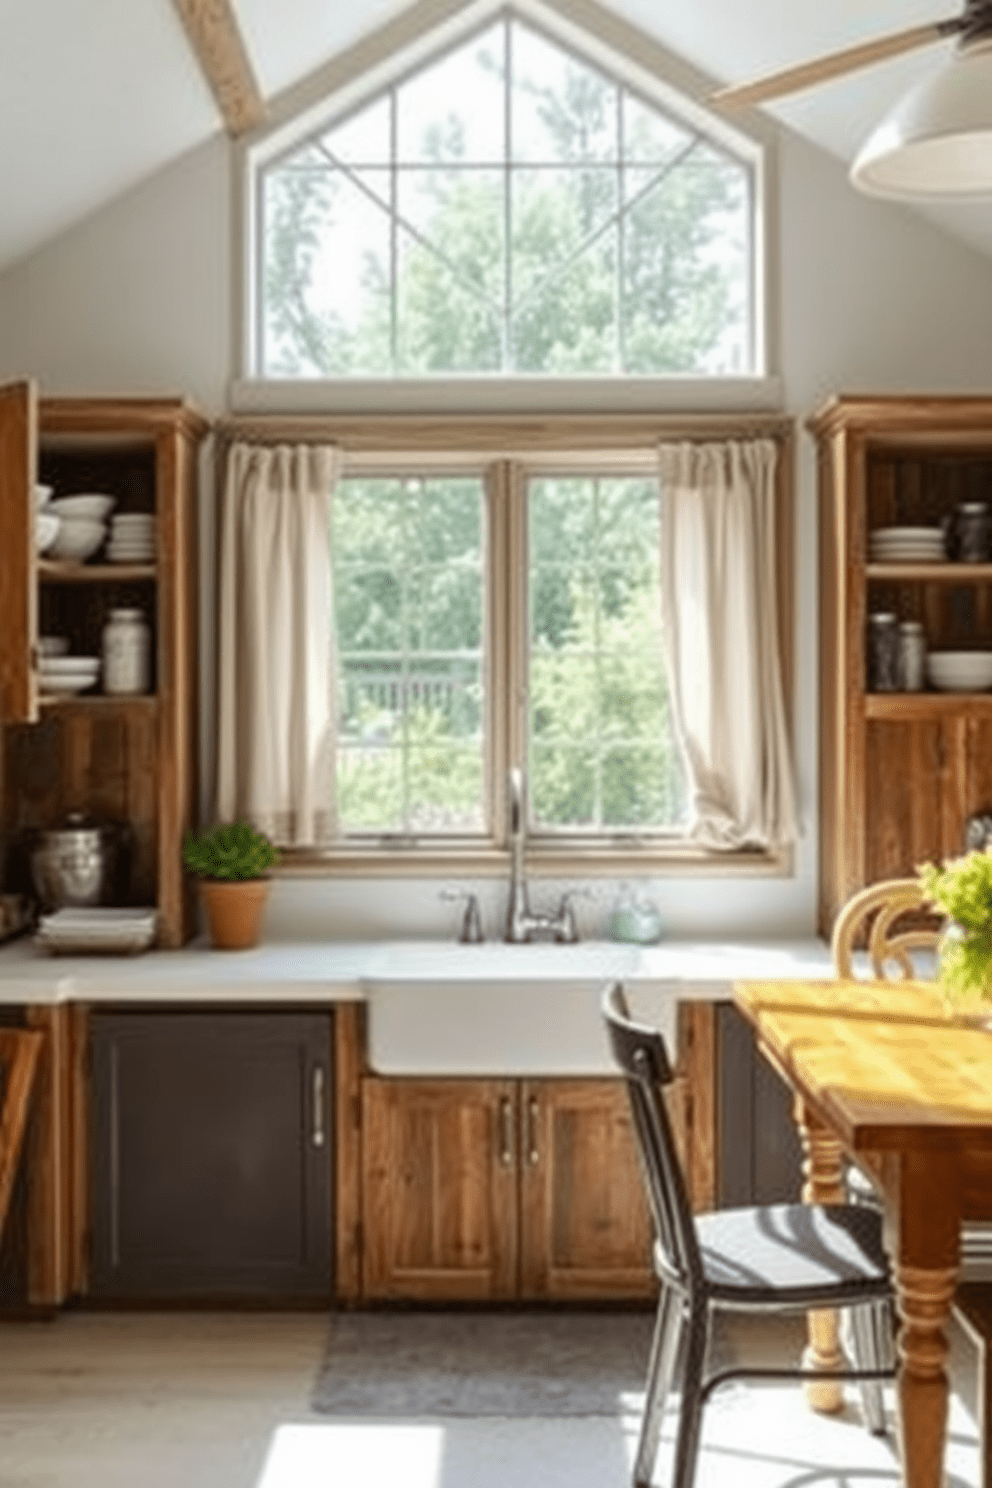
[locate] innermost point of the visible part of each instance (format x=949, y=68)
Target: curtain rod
x=424, y=432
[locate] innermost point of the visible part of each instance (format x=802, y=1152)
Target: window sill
x=561, y=861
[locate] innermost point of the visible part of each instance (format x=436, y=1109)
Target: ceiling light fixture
x=937, y=140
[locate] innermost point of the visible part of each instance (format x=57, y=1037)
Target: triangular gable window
x=509, y=207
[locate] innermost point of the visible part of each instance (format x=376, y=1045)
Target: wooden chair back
x=20, y=1050
x=888, y=943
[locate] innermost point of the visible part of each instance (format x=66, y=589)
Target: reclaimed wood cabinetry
x=128, y=760
x=485, y=1190
x=900, y=773
x=211, y=1154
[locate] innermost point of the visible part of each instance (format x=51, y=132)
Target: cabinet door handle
x=508, y=1134
x=318, y=1133
x=533, y=1114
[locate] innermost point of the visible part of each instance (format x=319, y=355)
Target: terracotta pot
x=234, y=911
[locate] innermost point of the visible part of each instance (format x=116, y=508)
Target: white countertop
x=333, y=971
x=434, y=1008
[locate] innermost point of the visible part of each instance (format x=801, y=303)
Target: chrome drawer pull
x=318, y=1134
x=509, y=1142
x=533, y=1155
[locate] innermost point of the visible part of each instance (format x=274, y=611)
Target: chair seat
x=793, y=1254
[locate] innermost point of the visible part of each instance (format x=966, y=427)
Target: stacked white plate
x=61, y=676
x=97, y=931
x=907, y=545
x=132, y=538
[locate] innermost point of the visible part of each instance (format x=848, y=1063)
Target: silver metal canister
x=912, y=656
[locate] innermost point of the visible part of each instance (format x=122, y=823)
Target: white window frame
x=620, y=50
x=525, y=445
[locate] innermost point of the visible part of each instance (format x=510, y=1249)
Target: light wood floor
x=98, y=1400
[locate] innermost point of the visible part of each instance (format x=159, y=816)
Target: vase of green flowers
x=231, y=862
x=962, y=888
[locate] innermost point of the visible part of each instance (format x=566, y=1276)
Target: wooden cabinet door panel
x=18, y=568
x=439, y=1197
x=585, y=1226
x=910, y=810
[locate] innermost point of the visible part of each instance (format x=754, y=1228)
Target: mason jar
x=912, y=656
x=126, y=652
x=883, y=652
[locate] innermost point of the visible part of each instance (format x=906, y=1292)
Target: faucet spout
x=518, y=915
x=521, y=923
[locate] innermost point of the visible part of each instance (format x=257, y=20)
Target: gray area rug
x=484, y=1363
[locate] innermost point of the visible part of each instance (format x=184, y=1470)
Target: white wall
x=138, y=299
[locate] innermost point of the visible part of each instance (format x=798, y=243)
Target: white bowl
x=51, y=645
x=78, y=538
x=94, y=507
x=80, y=666
x=960, y=671
x=68, y=682
x=46, y=529
x=42, y=495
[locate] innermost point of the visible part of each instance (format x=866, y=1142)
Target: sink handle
x=471, y=931
x=567, y=932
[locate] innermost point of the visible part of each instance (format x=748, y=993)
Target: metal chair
x=775, y=1259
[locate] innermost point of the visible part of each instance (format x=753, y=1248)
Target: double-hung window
x=502, y=611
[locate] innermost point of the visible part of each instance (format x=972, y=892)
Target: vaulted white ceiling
x=96, y=94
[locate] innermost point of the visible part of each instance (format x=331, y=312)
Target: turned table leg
x=823, y=1170
x=923, y=1298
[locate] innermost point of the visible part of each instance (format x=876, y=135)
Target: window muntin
x=409, y=595
x=602, y=754
x=510, y=208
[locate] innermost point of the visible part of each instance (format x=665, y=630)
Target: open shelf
x=932, y=573
x=894, y=706
x=145, y=701
x=53, y=572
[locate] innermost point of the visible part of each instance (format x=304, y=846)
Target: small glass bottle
x=883, y=652
x=912, y=656
x=126, y=648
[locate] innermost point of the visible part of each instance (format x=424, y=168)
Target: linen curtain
x=721, y=640
x=276, y=664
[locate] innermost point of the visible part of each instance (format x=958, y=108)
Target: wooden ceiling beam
x=215, y=36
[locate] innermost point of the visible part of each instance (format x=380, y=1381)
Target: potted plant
x=231, y=862
x=962, y=888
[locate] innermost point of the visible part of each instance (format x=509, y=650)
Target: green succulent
x=232, y=851
x=963, y=888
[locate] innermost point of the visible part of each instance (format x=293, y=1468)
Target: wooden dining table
x=885, y=1074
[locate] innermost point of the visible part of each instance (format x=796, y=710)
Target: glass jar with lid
x=126, y=653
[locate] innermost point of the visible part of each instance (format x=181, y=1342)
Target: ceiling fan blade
x=777, y=84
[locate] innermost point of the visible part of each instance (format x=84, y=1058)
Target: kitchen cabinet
x=491, y=1190
x=128, y=760
x=211, y=1155
x=760, y=1155
x=900, y=773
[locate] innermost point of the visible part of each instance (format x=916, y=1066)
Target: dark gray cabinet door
x=759, y=1153
x=211, y=1155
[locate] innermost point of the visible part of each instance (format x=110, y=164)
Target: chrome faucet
x=521, y=923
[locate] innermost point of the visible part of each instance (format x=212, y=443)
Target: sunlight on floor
x=752, y=1438
x=304, y=1456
